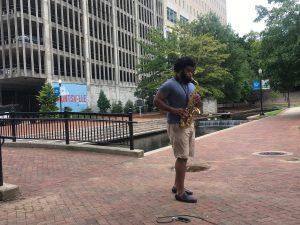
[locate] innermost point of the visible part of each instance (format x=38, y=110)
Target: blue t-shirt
x=177, y=95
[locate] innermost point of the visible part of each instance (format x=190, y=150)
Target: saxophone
x=192, y=110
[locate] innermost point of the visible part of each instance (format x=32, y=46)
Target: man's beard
x=185, y=79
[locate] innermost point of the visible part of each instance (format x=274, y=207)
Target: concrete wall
x=209, y=105
x=282, y=98
x=125, y=94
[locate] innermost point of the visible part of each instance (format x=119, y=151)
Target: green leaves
x=47, y=99
x=182, y=40
x=281, y=44
x=103, y=103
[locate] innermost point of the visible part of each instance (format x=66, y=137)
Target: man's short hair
x=183, y=62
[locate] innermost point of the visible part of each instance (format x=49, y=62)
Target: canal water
x=159, y=140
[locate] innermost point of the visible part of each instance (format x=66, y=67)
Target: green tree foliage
x=103, y=103
x=129, y=107
x=281, y=43
x=237, y=88
x=47, y=99
x=161, y=53
x=117, y=107
x=252, y=47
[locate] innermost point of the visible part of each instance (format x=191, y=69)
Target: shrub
x=117, y=107
x=103, y=103
x=129, y=107
x=47, y=99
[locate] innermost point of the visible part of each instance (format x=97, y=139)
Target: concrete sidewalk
x=62, y=187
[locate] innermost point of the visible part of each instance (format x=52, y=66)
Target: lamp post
x=261, y=97
x=59, y=84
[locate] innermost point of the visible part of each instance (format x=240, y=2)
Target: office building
x=90, y=45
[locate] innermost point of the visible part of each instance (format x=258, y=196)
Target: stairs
x=152, y=126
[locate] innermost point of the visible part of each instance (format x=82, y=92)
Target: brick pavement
x=84, y=188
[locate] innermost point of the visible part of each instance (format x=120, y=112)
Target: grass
x=284, y=105
x=274, y=113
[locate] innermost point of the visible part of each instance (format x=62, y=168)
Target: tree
x=46, y=99
x=161, y=53
x=103, y=103
x=237, y=63
x=280, y=44
x=117, y=107
x=129, y=107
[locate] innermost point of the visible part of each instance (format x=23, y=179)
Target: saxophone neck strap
x=186, y=90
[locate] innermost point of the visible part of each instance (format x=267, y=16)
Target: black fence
x=96, y=128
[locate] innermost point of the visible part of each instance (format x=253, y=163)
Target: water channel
x=202, y=127
x=159, y=140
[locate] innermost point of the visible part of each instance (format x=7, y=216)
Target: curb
x=201, y=137
x=72, y=147
x=8, y=192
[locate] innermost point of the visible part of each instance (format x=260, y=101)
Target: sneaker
x=174, y=190
x=186, y=198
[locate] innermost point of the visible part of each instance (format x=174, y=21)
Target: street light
x=59, y=83
x=261, y=97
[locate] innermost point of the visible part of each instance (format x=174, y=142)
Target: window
x=171, y=15
x=183, y=19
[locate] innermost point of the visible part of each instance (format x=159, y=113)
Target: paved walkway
x=62, y=187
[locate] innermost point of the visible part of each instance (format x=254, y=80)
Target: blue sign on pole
x=256, y=85
x=56, y=91
x=72, y=95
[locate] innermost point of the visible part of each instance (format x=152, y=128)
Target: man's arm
x=160, y=102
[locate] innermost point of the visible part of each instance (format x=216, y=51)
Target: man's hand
x=197, y=100
x=179, y=112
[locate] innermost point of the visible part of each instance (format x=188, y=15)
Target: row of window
x=172, y=16
x=125, y=22
x=101, y=72
x=100, y=9
x=76, y=3
x=127, y=60
x=32, y=7
x=101, y=31
x=218, y=6
x=67, y=42
x=70, y=67
x=126, y=41
x=144, y=31
x=147, y=3
x=128, y=77
x=101, y=52
x=126, y=5
x=66, y=17
x=14, y=34
x=15, y=58
x=145, y=15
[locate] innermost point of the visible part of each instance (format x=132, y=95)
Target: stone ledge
x=8, y=192
x=255, y=117
x=73, y=147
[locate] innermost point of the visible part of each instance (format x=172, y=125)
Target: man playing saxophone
x=174, y=97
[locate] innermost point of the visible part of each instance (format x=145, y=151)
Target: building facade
x=189, y=10
x=88, y=44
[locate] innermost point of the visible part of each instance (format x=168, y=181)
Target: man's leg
x=180, y=168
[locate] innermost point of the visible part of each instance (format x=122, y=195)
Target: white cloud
x=241, y=15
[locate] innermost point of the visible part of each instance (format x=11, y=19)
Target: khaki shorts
x=182, y=140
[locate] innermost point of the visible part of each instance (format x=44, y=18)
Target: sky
x=241, y=14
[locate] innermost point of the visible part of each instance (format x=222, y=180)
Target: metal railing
x=94, y=128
